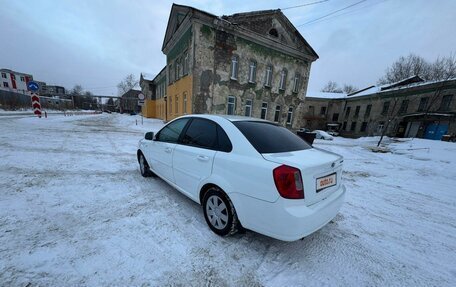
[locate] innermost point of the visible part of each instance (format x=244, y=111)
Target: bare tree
x=413, y=65
x=348, y=89
x=128, y=83
x=331, y=87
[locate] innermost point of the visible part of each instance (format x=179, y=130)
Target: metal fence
x=10, y=100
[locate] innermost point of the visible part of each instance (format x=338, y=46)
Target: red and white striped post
x=36, y=104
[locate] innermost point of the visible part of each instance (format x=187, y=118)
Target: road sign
x=36, y=104
x=141, y=97
x=141, y=103
x=33, y=86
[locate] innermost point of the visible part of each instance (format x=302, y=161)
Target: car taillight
x=288, y=181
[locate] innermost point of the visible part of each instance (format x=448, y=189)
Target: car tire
x=144, y=166
x=219, y=213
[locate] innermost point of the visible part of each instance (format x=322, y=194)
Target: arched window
x=273, y=32
x=252, y=71
x=283, y=79
x=296, y=83
x=268, y=76
x=234, y=67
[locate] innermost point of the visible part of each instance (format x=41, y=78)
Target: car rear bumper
x=286, y=219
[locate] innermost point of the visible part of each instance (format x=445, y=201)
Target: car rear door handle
x=167, y=149
x=202, y=158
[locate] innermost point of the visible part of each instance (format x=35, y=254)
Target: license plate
x=326, y=181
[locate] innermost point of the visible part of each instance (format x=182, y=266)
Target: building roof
x=181, y=13
x=148, y=76
x=325, y=95
x=374, y=90
x=131, y=94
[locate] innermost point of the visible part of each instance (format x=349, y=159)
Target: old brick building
x=255, y=64
x=412, y=107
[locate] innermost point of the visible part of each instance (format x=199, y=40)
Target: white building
x=14, y=80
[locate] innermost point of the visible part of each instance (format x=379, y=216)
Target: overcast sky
x=97, y=43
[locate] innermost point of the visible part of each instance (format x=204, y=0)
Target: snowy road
x=74, y=210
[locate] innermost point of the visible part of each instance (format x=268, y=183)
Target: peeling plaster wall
x=212, y=84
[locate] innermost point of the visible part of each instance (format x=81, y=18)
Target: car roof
x=231, y=118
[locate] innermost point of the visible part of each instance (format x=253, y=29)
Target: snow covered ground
x=74, y=210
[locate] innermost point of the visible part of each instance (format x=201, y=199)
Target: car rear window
x=270, y=138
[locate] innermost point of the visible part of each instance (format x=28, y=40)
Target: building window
x=380, y=127
x=4, y=75
x=344, y=126
x=357, y=111
x=353, y=126
x=347, y=112
x=296, y=83
x=446, y=103
x=311, y=110
x=178, y=70
x=5, y=84
x=248, y=108
x=323, y=111
x=170, y=73
x=368, y=111
x=13, y=77
x=363, y=127
x=404, y=106
x=385, y=108
x=185, y=70
x=423, y=104
x=170, y=104
x=290, y=116
x=231, y=105
x=268, y=76
x=22, y=79
x=176, y=105
x=252, y=71
x=335, y=117
x=185, y=103
x=264, y=110
x=283, y=80
x=234, y=67
x=277, y=114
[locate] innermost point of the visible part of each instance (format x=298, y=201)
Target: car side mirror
x=149, y=136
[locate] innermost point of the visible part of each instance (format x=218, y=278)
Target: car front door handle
x=167, y=149
x=202, y=158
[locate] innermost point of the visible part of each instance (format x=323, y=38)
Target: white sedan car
x=319, y=134
x=246, y=173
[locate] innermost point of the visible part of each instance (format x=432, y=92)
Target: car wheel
x=219, y=213
x=144, y=166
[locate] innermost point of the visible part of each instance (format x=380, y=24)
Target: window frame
x=290, y=116
x=296, y=83
x=283, y=80
x=268, y=76
x=228, y=105
x=385, y=108
x=218, y=130
x=157, y=137
x=368, y=110
x=447, y=103
x=234, y=68
x=248, y=106
x=277, y=111
x=252, y=72
x=265, y=109
x=423, y=104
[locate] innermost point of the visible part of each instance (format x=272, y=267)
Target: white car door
x=193, y=157
x=162, y=148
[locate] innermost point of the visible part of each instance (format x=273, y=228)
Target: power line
x=332, y=13
x=302, y=5
x=348, y=12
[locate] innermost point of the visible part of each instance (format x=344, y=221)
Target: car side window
x=224, y=143
x=201, y=133
x=171, y=132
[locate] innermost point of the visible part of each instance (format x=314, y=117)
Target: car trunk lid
x=321, y=171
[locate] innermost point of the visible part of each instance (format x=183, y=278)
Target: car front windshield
x=270, y=138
